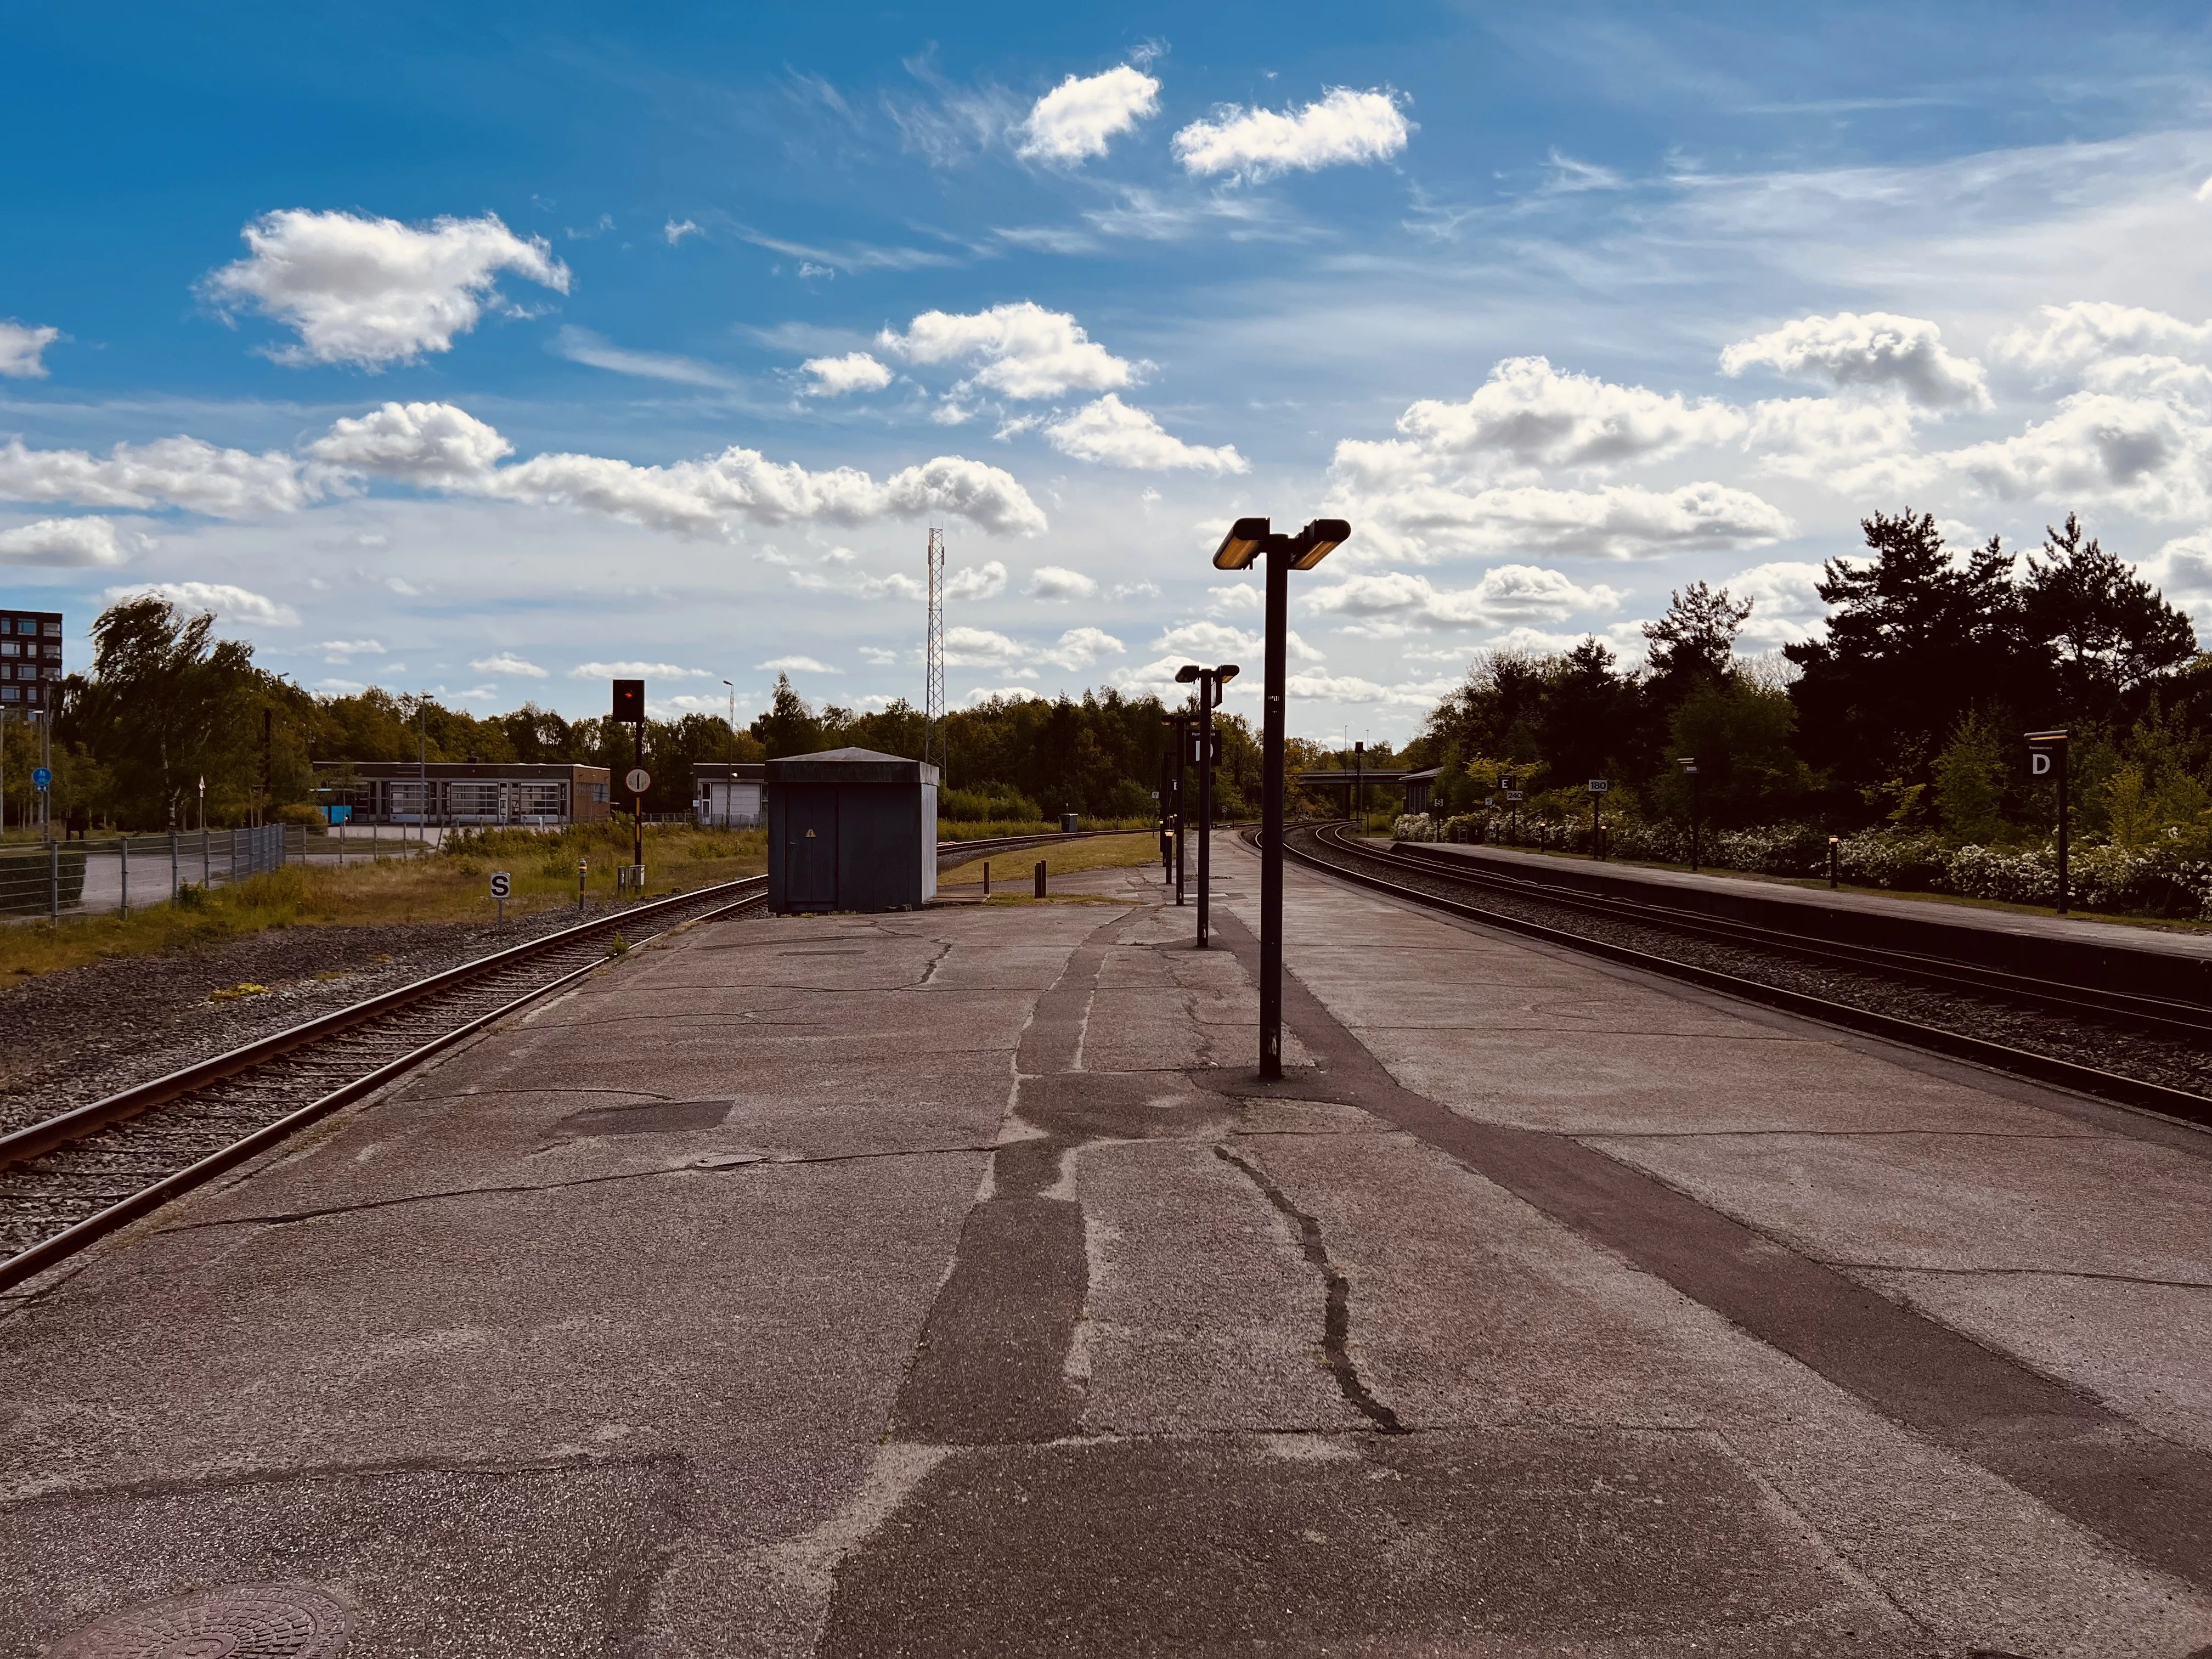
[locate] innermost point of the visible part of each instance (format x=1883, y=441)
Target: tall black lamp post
x=1209, y=681
x=1249, y=541
x=1179, y=727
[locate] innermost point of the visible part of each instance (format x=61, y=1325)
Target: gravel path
x=79, y=1034
x=2084, y=1039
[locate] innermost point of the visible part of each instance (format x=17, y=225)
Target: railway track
x=80, y=1176
x=2149, y=1052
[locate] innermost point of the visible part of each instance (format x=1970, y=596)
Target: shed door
x=810, y=846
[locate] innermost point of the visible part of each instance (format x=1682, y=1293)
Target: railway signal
x=1248, y=541
x=2046, y=758
x=1206, y=749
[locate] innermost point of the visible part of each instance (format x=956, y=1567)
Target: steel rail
x=25, y=1146
x=2019, y=1062
x=2167, y=1016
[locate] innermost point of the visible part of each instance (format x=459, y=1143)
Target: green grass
x=450, y=885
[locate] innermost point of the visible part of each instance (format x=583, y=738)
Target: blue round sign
x=42, y=777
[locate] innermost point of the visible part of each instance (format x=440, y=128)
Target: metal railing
x=54, y=878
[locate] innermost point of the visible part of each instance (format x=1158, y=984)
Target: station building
x=727, y=794
x=464, y=793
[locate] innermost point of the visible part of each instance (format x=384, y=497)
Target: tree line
x=1908, y=712
x=167, y=705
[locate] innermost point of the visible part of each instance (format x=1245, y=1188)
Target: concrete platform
x=2193, y=946
x=944, y=1282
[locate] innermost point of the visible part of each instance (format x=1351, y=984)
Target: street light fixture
x=1247, y=542
x=1208, y=682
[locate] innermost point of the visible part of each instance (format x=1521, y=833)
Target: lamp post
x=1360, y=784
x=1209, y=681
x=1689, y=765
x=1248, y=541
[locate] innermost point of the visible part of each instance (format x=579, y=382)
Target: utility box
x=850, y=829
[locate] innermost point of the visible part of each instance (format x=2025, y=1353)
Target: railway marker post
x=502, y=885
x=1248, y=541
x=1597, y=788
x=2046, y=755
x=1689, y=765
x=1835, y=859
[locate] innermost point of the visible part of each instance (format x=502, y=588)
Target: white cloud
x=1111, y=433
x=1391, y=602
x=1850, y=445
x=797, y=665
x=1053, y=582
x=879, y=655
x=581, y=345
x=1345, y=126
x=1024, y=350
x=981, y=648
x=1529, y=414
x=376, y=291
x=635, y=671
x=2151, y=455
x=225, y=603
x=79, y=543
x=1351, y=688
x=677, y=230
x=1876, y=349
x=2182, y=571
x=342, y=651
x=978, y=581
x=1619, y=521
x=1214, y=642
x=1079, y=118
x=1240, y=596
x=1079, y=647
x=1785, y=605
x=2072, y=337
x=505, y=663
x=21, y=347
x=185, y=472
x=983, y=694
x=439, y=447
x=340, y=688
x=855, y=370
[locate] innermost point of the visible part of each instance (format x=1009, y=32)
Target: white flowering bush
x=2153, y=881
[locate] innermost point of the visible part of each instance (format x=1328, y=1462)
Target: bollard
x=987, y=878
x=1040, y=877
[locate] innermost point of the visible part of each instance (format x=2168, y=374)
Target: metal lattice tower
x=933, y=695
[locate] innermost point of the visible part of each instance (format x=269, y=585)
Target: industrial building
x=30, y=657
x=726, y=794
x=462, y=793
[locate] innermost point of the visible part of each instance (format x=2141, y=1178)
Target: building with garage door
x=463, y=793
x=726, y=794
x=850, y=829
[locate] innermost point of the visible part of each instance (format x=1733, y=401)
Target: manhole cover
x=235, y=1621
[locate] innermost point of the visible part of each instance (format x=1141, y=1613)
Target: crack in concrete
x=1336, y=1327
x=2014, y=1273
x=707, y=1164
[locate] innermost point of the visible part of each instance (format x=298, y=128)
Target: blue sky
x=468, y=349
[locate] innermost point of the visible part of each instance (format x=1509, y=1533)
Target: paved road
x=943, y=1284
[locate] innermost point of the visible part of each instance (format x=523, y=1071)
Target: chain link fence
x=115, y=873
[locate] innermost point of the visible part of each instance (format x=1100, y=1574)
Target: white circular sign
x=638, y=781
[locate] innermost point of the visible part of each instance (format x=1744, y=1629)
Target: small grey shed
x=850, y=829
